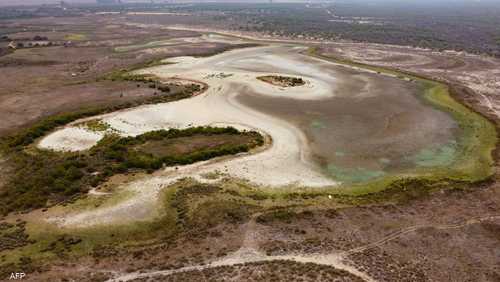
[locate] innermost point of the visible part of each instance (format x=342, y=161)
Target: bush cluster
x=120, y=149
x=283, y=80
x=43, y=177
x=28, y=136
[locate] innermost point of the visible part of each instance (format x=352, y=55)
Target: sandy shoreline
x=285, y=162
x=289, y=160
x=288, y=157
x=230, y=76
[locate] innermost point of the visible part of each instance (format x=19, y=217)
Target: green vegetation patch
x=129, y=152
x=48, y=242
x=192, y=209
x=151, y=81
x=468, y=160
x=26, y=137
x=477, y=140
x=189, y=209
x=95, y=125
x=13, y=235
x=318, y=124
x=353, y=175
x=43, y=177
x=75, y=37
x=283, y=81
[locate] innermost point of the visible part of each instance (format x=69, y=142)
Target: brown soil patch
x=39, y=82
x=469, y=253
x=187, y=145
x=263, y=271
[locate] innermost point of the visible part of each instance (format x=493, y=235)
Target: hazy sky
x=33, y=2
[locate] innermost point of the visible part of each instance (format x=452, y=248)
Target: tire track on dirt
x=249, y=252
x=414, y=228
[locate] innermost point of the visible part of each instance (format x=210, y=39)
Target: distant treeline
x=473, y=28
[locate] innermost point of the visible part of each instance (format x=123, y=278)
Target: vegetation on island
x=43, y=178
x=61, y=176
x=283, y=81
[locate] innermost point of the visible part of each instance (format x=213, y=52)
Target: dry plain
x=229, y=218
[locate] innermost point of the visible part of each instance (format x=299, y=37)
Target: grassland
x=188, y=209
x=472, y=161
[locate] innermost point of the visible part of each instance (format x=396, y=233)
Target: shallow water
x=353, y=125
x=373, y=125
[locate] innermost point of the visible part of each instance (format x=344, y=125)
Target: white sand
x=71, y=139
x=286, y=162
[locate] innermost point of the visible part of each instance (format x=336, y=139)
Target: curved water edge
x=235, y=72
x=473, y=147
x=291, y=159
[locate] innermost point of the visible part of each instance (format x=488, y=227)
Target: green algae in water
x=353, y=175
x=440, y=156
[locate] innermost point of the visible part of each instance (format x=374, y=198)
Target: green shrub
x=44, y=175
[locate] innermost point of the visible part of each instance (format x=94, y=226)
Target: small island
x=283, y=81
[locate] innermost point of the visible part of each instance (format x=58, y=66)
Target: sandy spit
x=285, y=162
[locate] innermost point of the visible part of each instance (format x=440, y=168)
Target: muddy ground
x=445, y=236
x=479, y=73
